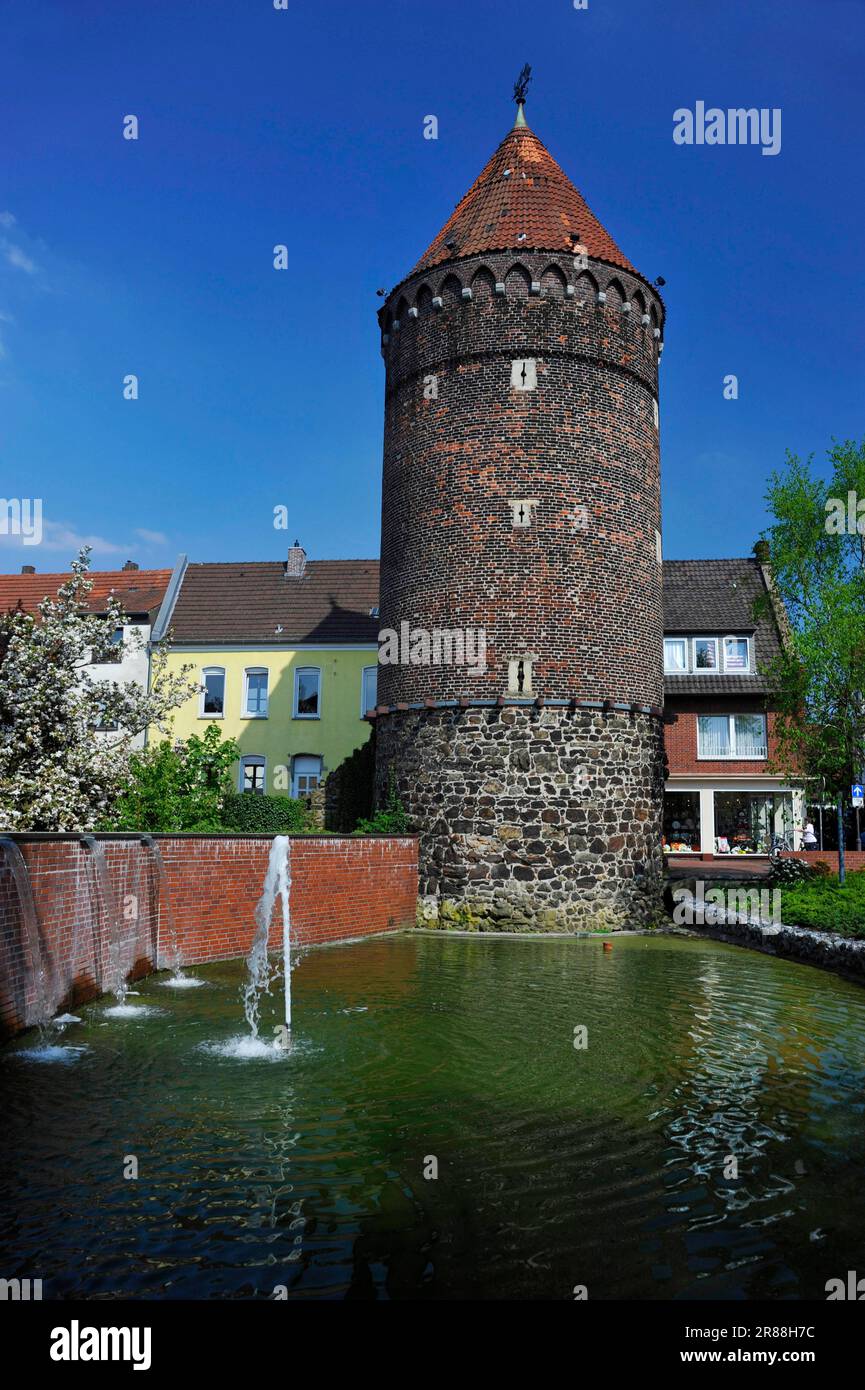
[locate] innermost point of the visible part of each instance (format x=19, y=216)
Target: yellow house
x=285, y=655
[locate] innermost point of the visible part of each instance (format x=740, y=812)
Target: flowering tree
x=55, y=773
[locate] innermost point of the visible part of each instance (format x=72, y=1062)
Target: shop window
x=752, y=822
x=731, y=736
x=682, y=823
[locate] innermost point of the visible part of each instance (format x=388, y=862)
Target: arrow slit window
x=524, y=374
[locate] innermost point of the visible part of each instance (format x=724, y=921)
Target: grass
x=824, y=905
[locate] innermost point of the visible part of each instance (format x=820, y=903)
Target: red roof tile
x=537, y=198
x=140, y=591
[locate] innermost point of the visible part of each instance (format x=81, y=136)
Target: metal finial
x=521, y=85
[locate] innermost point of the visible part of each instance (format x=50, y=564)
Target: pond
x=434, y=1132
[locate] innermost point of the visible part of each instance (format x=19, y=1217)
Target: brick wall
x=341, y=887
x=854, y=859
x=680, y=739
x=585, y=602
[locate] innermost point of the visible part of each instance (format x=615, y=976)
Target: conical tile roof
x=521, y=200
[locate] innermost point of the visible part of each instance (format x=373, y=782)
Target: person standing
x=809, y=839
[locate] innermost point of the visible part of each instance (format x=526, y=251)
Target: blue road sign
x=858, y=794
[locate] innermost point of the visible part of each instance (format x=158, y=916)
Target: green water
x=557, y=1167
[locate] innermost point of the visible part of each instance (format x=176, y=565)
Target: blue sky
x=261, y=388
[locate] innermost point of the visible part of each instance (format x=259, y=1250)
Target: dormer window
x=676, y=655
x=729, y=656
x=705, y=653
x=736, y=654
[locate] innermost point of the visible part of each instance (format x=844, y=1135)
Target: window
x=520, y=675
x=695, y=655
x=306, y=774
x=731, y=736
x=736, y=654
x=752, y=822
x=307, y=692
x=675, y=654
x=522, y=511
x=252, y=773
x=681, y=822
x=369, y=689
x=115, y=653
x=104, y=725
x=705, y=653
x=524, y=374
x=213, y=693
x=255, y=695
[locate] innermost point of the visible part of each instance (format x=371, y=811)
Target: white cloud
x=59, y=536
x=151, y=537
x=7, y=219
x=19, y=259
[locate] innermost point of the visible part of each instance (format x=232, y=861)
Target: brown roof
x=139, y=591
x=715, y=597
x=240, y=602
x=537, y=198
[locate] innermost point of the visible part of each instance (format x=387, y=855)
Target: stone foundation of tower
x=530, y=818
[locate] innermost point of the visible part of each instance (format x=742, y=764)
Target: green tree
x=56, y=771
x=817, y=558
x=181, y=786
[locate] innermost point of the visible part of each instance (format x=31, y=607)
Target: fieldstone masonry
x=545, y=812
x=544, y=818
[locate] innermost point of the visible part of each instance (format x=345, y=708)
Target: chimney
x=28, y=569
x=130, y=565
x=761, y=552
x=296, y=563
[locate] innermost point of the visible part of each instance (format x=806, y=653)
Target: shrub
x=784, y=871
x=824, y=905
x=250, y=813
x=391, y=819
x=177, y=787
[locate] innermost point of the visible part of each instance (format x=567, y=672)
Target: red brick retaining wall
x=341, y=887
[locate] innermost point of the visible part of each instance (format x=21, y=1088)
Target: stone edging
x=828, y=950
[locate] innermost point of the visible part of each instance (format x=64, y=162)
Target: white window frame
x=299, y=671
x=363, y=704
x=676, y=670
x=734, y=755
x=211, y=671
x=255, y=671
x=295, y=773
x=696, y=670
x=252, y=760
x=738, y=637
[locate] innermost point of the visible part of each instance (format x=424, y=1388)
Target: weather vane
x=522, y=84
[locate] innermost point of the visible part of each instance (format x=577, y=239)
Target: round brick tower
x=520, y=676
